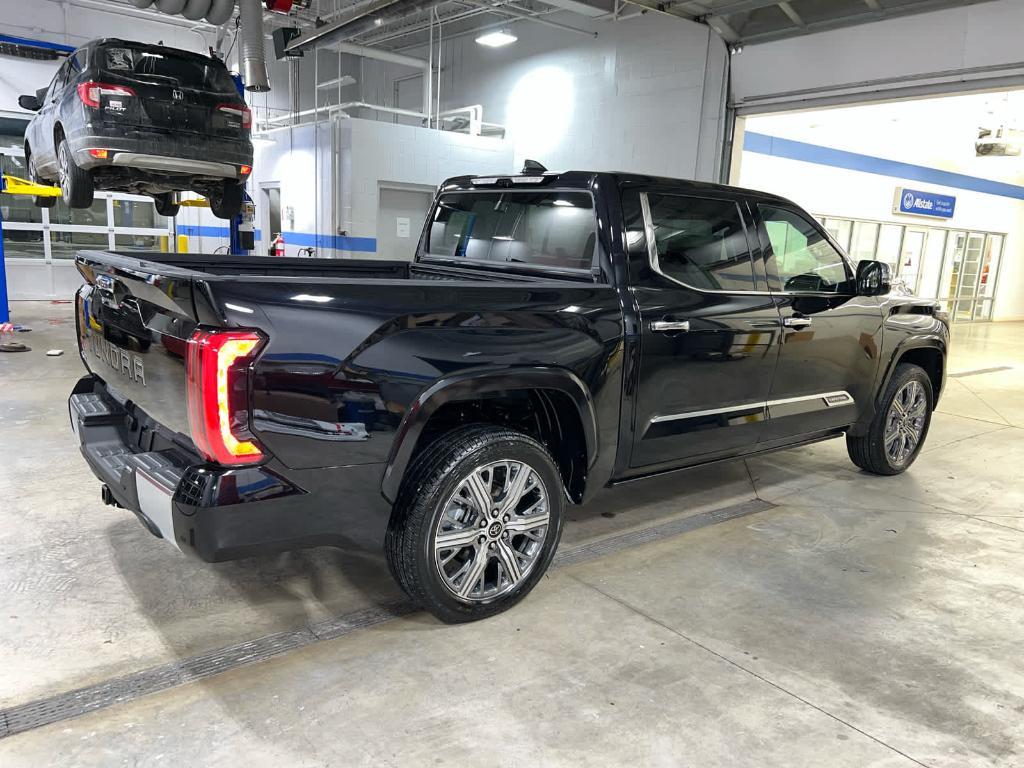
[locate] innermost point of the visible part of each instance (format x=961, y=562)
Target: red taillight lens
x=100, y=154
x=217, y=369
x=245, y=170
x=240, y=111
x=91, y=91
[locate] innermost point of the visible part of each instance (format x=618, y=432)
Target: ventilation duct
x=253, y=54
x=214, y=11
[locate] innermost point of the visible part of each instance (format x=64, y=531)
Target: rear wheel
x=35, y=178
x=477, y=523
x=75, y=183
x=898, y=431
x=226, y=200
x=167, y=204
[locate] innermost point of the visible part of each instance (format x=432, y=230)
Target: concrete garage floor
x=853, y=621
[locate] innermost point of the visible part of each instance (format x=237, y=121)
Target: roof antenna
x=532, y=166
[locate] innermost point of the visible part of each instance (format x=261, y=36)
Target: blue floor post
x=5, y=314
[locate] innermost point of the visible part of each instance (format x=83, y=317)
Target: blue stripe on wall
x=300, y=239
x=837, y=158
x=44, y=44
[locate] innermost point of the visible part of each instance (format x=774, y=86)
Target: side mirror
x=874, y=278
x=31, y=103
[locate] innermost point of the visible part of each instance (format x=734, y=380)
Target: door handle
x=796, y=322
x=667, y=326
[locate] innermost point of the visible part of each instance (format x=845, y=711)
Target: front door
x=708, y=330
x=830, y=336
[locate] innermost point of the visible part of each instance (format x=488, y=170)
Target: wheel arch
x=551, y=404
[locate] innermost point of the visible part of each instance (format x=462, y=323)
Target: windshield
x=167, y=69
x=550, y=229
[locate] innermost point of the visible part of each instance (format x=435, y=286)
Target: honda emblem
x=178, y=95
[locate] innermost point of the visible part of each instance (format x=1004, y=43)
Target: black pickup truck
x=555, y=334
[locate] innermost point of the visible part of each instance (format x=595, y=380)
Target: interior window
x=801, y=256
x=702, y=242
x=555, y=229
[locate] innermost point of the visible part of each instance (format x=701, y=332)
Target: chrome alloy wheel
x=491, y=531
x=905, y=422
x=64, y=170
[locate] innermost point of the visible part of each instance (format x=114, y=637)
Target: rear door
x=830, y=336
x=708, y=326
x=171, y=91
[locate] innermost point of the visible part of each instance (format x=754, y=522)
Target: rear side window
x=801, y=256
x=701, y=242
x=167, y=69
x=546, y=229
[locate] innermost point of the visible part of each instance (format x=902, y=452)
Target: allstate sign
x=918, y=203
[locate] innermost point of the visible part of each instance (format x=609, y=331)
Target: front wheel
x=900, y=425
x=75, y=183
x=477, y=523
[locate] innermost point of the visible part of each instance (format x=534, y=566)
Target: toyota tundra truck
x=553, y=334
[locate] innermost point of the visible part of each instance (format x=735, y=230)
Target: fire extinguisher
x=277, y=247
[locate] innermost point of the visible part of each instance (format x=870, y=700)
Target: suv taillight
x=91, y=91
x=240, y=111
x=217, y=394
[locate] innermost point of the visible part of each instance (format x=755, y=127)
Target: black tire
x=167, y=204
x=226, y=200
x=35, y=178
x=75, y=183
x=869, y=451
x=437, y=474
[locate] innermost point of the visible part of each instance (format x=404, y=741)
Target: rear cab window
x=549, y=229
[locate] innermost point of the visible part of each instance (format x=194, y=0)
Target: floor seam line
x=750, y=672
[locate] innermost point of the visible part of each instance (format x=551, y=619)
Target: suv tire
x=496, y=496
x=900, y=425
x=226, y=200
x=167, y=204
x=75, y=183
x=35, y=178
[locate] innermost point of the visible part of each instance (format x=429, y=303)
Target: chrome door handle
x=665, y=326
x=796, y=322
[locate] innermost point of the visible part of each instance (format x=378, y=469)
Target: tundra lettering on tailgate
x=121, y=360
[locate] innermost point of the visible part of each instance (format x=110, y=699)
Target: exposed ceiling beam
x=522, y=15
x=853, y=19
x=788, y=9
x=723, y=28
x=668, y=7
x=873, y=5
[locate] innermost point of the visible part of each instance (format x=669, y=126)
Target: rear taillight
x=91, y=91
x=217, y=370
x=240, y=111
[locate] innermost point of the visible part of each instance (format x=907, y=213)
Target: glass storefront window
x=64, y=245
x=990, y=266
x=840, y=229
x=141, y=243
x=890, y=239
x=94, y=216
x=138, y=214
x=862, y=244
x=23, y=244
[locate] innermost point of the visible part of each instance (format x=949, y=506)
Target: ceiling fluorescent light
x=338, y=81
x=497, y=39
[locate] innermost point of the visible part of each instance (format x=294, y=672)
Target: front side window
x=547, y=229
x=701, y=242
x=800, y=255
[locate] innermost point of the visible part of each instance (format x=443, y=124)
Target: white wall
x=889, y=54
x=645, y=95
x=400, y=154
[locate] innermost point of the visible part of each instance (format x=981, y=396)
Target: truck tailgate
x=134, y=318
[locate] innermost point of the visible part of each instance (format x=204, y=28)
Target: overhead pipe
x=362, y=19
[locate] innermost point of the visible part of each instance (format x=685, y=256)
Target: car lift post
x=5, y=313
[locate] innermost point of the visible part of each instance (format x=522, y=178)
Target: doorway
x=272, y=217
x=401, y=211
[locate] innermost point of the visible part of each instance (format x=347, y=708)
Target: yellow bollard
x=162, y=239
x=182, y=243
